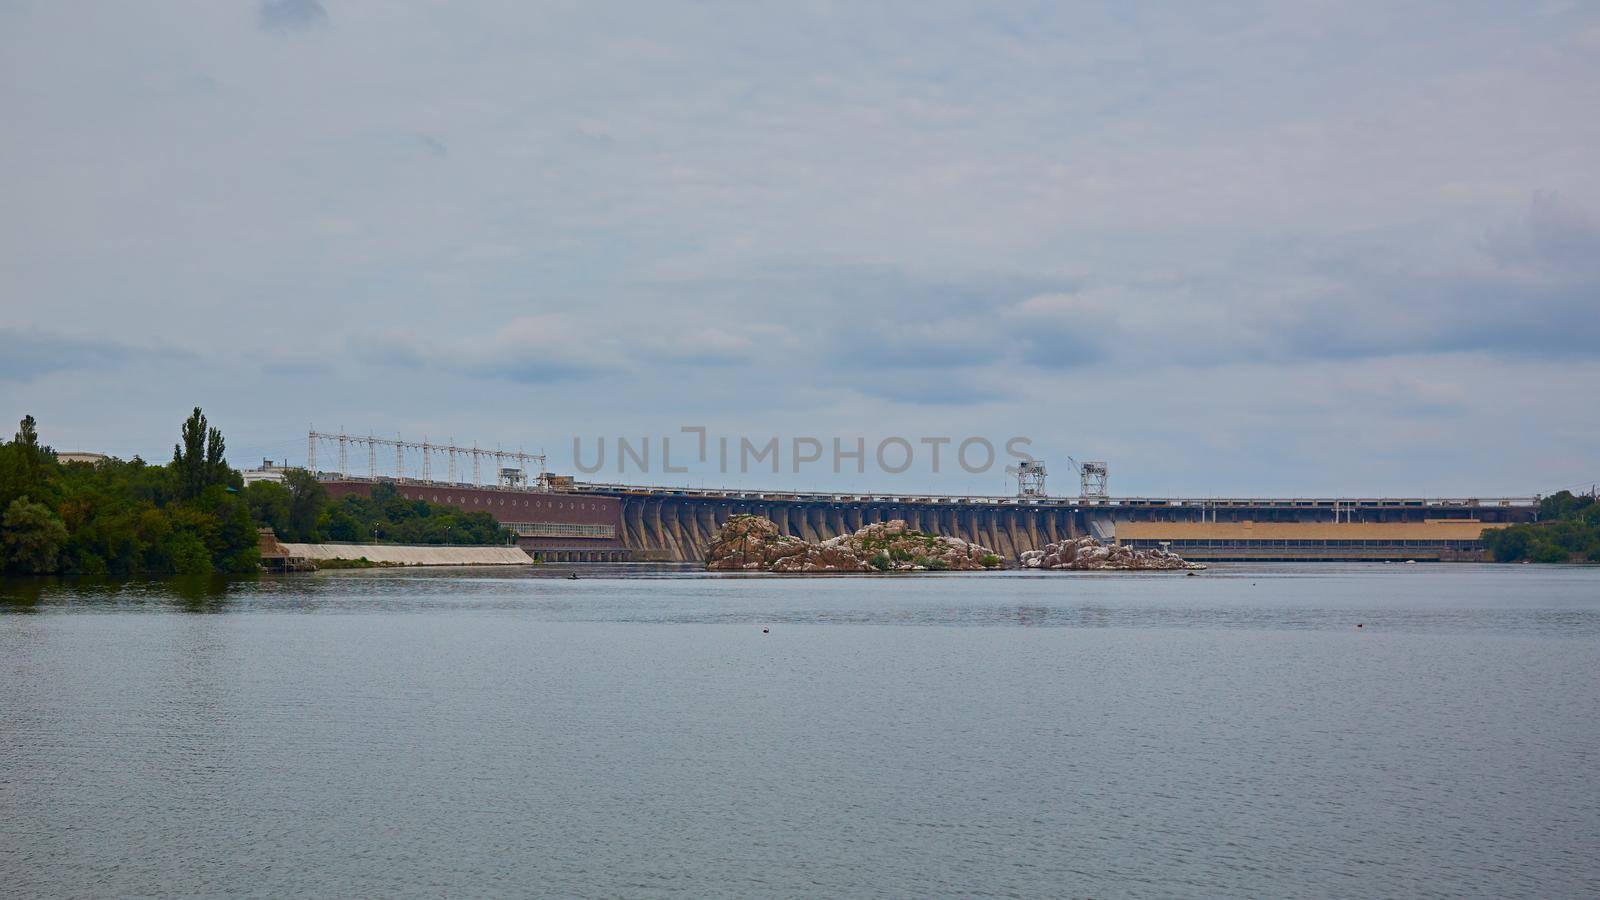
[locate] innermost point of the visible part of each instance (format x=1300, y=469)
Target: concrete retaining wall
x=415, y=556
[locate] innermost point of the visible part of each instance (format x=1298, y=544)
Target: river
x=651, y=731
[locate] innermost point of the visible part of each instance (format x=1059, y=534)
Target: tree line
x=1568, y=530
x=194, y=515
x=300, y=510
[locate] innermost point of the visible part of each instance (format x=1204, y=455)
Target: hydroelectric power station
x=557, y=518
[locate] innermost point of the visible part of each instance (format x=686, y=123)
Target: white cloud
x=823, y=215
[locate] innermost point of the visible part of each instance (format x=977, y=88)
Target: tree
x=1568, y=530
x=340, y=523
x=1506, y=544
x=188, y=554
x=307, y=499
x=198, y=461
x=28, y=433
x=238, y=547
x=32, y=538
x=25, y=466
x=269, y=504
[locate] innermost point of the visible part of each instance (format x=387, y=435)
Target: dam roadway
x=593, y=522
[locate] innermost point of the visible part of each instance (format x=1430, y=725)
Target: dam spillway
x=672, y=524
x=678, y=527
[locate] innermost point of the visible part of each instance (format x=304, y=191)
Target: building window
x=561, y=529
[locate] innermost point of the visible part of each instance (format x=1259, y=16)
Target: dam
x=569, y=521
x=559, y=519
x=676, y=524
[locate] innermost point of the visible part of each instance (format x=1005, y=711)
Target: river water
x=637, y=733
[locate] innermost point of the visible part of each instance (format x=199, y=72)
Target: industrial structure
x=1030, y=479
x=1094, y=480
x=556, y=518
x=549, y=519
x=511, y=467
x=677, y=523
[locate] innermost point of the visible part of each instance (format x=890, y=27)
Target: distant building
x=80, y=456
x=267, y=472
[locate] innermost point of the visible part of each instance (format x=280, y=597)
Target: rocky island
x=754, y=544
x=1087, y=554
x=747, y=543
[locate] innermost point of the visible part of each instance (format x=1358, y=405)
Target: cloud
x=1066, y=330
x=564, y=346
x=31, y=354
x=932, y=387
x=291, y=15
x=1526, y=292
x=823, y=215
x=1554, y=237
x=908, y=338
x=540, y=357
x=1532, y=288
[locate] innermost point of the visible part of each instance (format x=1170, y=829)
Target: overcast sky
x=1250, y=248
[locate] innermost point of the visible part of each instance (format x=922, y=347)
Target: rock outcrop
x=1086, y=553
x=751, y=543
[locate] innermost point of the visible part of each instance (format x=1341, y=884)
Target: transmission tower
x=511, y=469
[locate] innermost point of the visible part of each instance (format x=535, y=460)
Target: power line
x=511, y=467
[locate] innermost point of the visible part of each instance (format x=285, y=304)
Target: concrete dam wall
x=680, y=528
x=402, y=555
x=665, y=525
x=617, y=523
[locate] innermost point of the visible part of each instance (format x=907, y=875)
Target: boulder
x=752, y=543
x=1086, y=553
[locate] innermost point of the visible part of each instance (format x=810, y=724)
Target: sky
x=1233, y=249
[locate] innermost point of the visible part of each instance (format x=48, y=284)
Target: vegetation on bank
x=362, y=563
x=192, y=516
x=123, y=518
x=1568, y=530
x=301, y=510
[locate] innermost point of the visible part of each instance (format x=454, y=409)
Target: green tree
x=307, y=500
x=1568, y=530
x=32, y=538
x=198, y=460
x=1506, y=544
x=25, y=466
x=270, y=504
x=188, y=554
x=194, y=516
x=238, y=547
